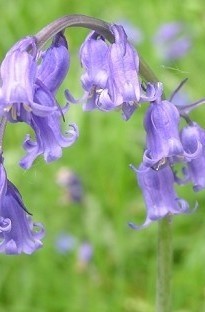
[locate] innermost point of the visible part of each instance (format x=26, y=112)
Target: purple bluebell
x=30, y=80
x=159, y=195
x=49, y=140
x=161, y=124
x=55, y=64
x=18, y=234
x=193, y=140
x=18, y=76
x=93, y=56
x=111, y=71
x=172, y=41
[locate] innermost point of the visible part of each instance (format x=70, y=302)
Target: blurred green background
x=121, y=274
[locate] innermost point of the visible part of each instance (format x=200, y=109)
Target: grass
x=121, y=274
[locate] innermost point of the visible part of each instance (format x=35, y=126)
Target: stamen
x=160, y=164
x=27, y=107
x=14, y=113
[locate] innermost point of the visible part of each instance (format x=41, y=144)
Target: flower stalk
x=101, y=27
x=164, y=265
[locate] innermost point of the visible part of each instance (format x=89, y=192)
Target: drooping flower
x=159, y=195
x=18, y=76
x=55, y=64
x=18, y=233
x=193, y=140
x=49, y=140
x=161, y=124
x=93, y=56
x=112, y=71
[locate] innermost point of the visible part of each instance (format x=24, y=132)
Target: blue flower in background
x=172, y=41
x=72, y=185
x=65, y=243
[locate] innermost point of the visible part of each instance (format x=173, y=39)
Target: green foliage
x=121, y=275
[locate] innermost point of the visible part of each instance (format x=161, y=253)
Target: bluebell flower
x=18, y=76
x=55, y=64
x=159, y=195
x=18, y=234
x=49, y=140
x=72, y=185
x=30, y=80
x=193, y=140
x=85, y=252
x=111, y=71
x=161, y=124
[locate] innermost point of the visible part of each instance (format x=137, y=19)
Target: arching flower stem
x=101, y=27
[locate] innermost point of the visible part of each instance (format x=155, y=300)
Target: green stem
x=101, y=27
x=164, y=265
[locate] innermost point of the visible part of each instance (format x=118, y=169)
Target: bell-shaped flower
x=24, y=70
x=18, y=234
x=55, y=64
x=49, y=140
x=18, y=75
x=112, y=71
x=123, y=82
x=193, y=140
x=159, y=195
x=93, y=56
x=161, y=124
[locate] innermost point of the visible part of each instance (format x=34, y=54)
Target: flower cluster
x=30, y=79
x=166, y=145
x=29, y=82
x=111, y=79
